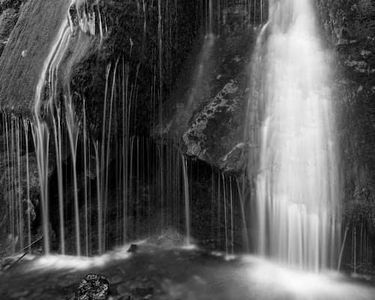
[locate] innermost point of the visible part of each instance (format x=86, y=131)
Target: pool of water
x=177, y=273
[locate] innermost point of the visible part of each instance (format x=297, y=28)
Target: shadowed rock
x=93, y=287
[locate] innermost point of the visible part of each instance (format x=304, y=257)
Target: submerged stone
x=93, y=287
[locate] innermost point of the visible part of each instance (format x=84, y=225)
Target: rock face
x=349, y=28
x=8, y=20
x=218, y=123
x=9, y=13
x=29, y=44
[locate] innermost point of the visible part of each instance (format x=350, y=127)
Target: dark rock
x=349, y=28
x=5, y=4
x=8, y=20
x=35, y=31
x=9, y=13
x=217, y=129
x=93, y=287
x=210, y=120
x=133, y=248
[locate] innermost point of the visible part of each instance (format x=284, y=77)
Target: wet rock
x=218, y=128
x=93, y=287
x=133, y=248
x=5, y=4
x=208, y=118
x=9, y=13
x=8, y=20
x=235, y=159
x=349, y=30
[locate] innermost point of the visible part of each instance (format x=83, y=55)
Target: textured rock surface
x=8, y=20
x=218, y=126
x=209, y=115
x=9, y=13
x=349, y=28
x=93, y=286
x=22, y=60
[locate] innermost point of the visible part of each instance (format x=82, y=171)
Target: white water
x=272, y=281
x=297, y=180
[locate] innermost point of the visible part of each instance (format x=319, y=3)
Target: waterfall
x=47, y=91
x=297, y=178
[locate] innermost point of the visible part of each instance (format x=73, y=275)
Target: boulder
x=208, y=117
x=93, y=287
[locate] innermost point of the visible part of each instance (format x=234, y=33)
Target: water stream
x=297, y=181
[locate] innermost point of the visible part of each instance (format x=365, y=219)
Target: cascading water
x=41, y=131
x=91, y=208
x=297, y=182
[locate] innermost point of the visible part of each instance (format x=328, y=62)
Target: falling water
x=73, y=133
x=48, y=81
x=28, y=200
x=41, y=133
x=187, y=199
x=86, y=180
x=297, y=181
